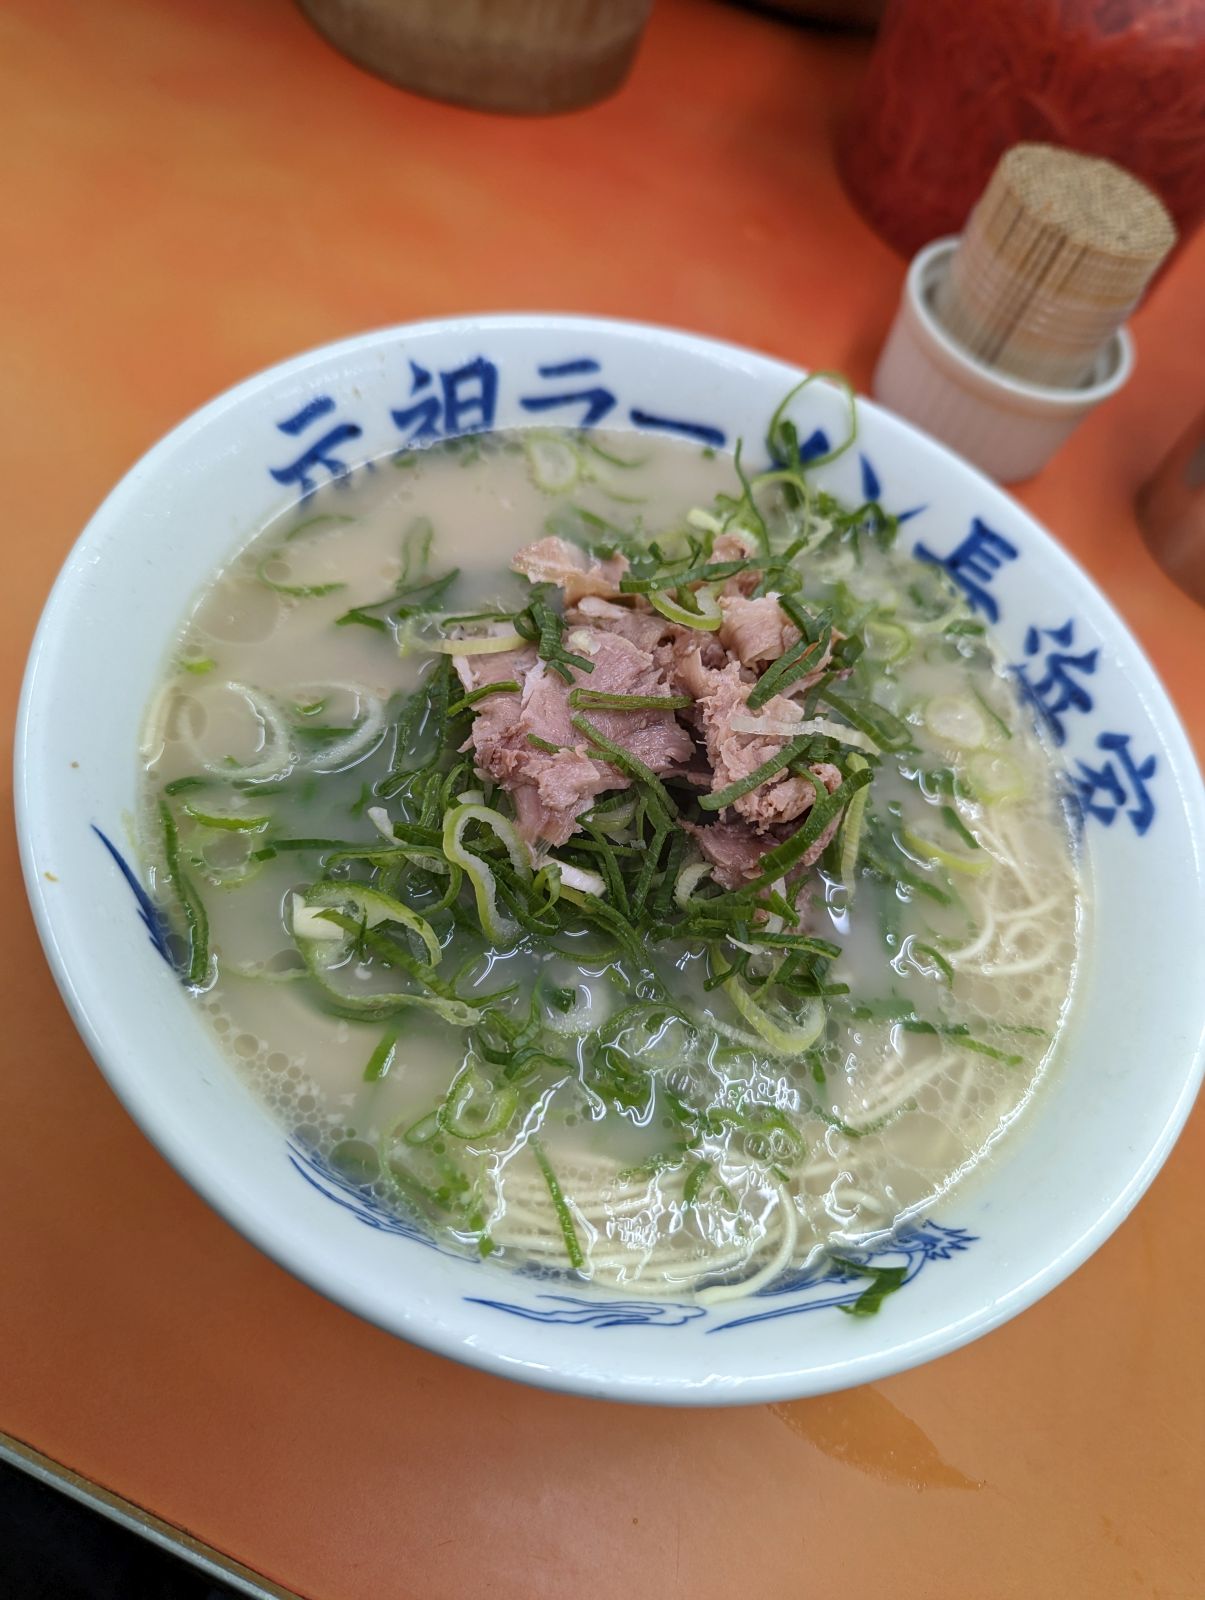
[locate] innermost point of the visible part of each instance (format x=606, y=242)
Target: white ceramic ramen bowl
x=1071, y=1171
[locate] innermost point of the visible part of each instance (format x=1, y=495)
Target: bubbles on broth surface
x=894, y=1117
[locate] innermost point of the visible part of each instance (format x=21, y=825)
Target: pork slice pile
x=634, y=650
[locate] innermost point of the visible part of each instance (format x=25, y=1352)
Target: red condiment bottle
x=953, y=83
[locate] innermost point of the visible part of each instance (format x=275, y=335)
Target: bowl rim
x=422, y=1324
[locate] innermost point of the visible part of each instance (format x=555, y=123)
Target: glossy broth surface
x=271, y=735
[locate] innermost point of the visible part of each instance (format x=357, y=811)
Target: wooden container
x=523, y=56
x=1055, y=257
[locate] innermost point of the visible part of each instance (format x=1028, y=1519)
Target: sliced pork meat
x=734, y=547
x=554, y=560
x=756, y=631
x=552, y=788
x=638, y=623
x=733, y=756
x=621, y=667
x=496, y=720
x=829, y=775
x=722, y=695
x=737, y=547
x=688, y=657
x=475, y=672
x=734, y=850
x=633, y=650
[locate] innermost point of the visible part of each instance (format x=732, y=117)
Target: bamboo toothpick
x=1054, y=258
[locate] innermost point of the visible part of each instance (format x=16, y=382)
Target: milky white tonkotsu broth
x=961, y=925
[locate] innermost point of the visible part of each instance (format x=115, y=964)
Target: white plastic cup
x=1006, y=427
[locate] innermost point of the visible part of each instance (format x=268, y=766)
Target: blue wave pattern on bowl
x=152, y=917
x=917, y=1245
x=567, y=1310
x=912, y=1248
x=1054, y=680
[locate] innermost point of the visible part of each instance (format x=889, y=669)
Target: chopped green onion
x=554, y=464
x=611, y=458
x=573, y=1248
x=801, y=943
x=695, y=1179
x=627, y=763
x=416, y=548
x=791, y=751
x=366, y=906
x=955, y=721
x=705, y=572
x=312, y=524
x=779, y=861
x=596, y=700
x=785, y=1035
x=321, y=845
x=195, y=917
x=952, y=820
x=961, y=1035
x=761, y=531
x=938, y=960
x=648, y=870
x=381, y=1059
x=927, y=850
x=542, y=626
x=880, y=724
x=499, y=929
x=474, y=1108
x=993, y=716
x=227, y=821
x=884, y=1281
x=408, y=600
x=886, y=641
x=441, y=1000
x=704, y=614
x=784, y=445
x=802, y=658
x=851, y=830
x=995, y=777
x=610, y=921
x=506, y=686
x=296, y=591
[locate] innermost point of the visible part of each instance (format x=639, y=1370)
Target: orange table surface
x=192, y=191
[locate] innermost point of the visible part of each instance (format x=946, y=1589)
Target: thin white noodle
x=903, y=1088
x=789, y=1218
x=1030, y=913
x=1014, y=969
x=964, y=1088
x=977, y=946
x=859, y=1199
